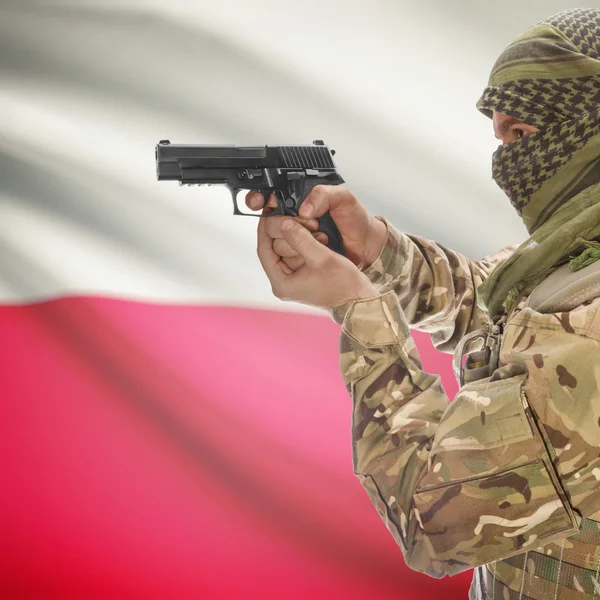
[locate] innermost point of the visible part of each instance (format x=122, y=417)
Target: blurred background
x=168, y=428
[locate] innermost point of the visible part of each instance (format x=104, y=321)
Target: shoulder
x=566, y=300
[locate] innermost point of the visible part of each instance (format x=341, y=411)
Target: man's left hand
x=326, y=279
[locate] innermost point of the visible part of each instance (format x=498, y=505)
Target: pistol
x=289, y=172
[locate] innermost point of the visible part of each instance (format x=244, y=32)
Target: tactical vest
x=568, y=569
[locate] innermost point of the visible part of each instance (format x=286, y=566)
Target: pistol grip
x=302, y=189
x=327, y=225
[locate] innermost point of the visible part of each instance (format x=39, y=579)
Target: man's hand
x=363, y=235
x=325, y=278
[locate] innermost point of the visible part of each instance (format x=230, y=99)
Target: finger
x=254, y=200
x=324, y=198
x=294, y=262
x=286, y=268
x=316, y=204
x=311, y=224
x=272, y=203
x=270, y=261
x=321, y=237
x=283, y=249
x=273, y=225
x=302, y=241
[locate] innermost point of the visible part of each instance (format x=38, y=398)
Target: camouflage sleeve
x=463, y=484
x=436, y=287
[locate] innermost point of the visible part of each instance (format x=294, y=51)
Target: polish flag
x=169, y=429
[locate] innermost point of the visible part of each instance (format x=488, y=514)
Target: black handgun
x=289, y=172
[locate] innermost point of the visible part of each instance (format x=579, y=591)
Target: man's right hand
x=363, y=236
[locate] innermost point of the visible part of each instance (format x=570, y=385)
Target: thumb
x=302, y=241
x=317, y=203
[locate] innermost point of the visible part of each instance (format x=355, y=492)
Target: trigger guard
x=281, y=204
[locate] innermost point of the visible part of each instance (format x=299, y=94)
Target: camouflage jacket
x=513, y=463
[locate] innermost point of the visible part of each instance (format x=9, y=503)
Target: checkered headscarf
x=549, y=78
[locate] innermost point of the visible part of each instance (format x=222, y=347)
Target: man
x=506, y=478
